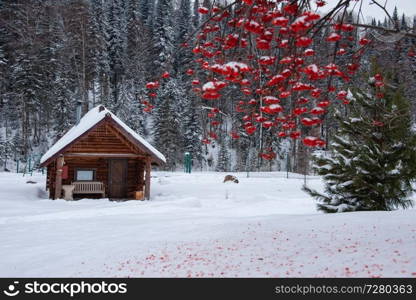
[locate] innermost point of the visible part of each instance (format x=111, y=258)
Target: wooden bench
x=89, y=187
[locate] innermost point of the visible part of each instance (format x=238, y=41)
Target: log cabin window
x=85, y=175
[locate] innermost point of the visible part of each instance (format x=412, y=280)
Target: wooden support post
x=58, y=178
x=147, y=178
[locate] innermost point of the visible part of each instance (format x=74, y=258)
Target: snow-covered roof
x=88, y=121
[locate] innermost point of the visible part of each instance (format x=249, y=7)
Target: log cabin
x=100, y=156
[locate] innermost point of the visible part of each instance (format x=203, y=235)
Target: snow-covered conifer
x=373, y=160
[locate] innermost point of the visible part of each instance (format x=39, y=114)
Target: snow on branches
x=272, y=53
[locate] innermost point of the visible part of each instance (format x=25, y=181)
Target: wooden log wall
x=135, y=176
x=58, y=176
x=148, y=169
x=103, y=139
x=50, y=181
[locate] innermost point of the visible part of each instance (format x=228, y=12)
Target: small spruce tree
x=223, y=163
x=373, y=159
x=167, y=135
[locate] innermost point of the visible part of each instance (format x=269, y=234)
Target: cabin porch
x=121, y=177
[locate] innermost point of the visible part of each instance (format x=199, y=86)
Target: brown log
x=147, y=178
x=58, y=179
x=105, y=155
x=123, y=138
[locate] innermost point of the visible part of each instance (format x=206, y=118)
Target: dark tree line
x=55, y=55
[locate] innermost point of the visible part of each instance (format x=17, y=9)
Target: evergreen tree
x=192, y=131
x=146, y=11
x=403, y=23
x=132, y=115
x=64, y=106
x=223, y=162
x=2, y=60
x=163, y=36
x=117, y=48
x=3, y=81
x=100, y=55
x=414, y=24
x=183, y=27
x=82, y=43
x=6, y=151
x=167, y=137
x=195, y=17
x=242, y=147
x=395, y=18
x=18, y=146
x=136, y=63
x=373, y=163
x=386, y=23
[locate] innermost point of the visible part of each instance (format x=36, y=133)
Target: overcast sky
x=408, y=7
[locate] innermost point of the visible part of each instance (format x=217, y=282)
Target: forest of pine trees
x=55, y=55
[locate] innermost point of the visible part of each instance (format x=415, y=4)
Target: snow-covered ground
x=197, y=226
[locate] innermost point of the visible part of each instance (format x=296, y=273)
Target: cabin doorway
x=117, y=178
